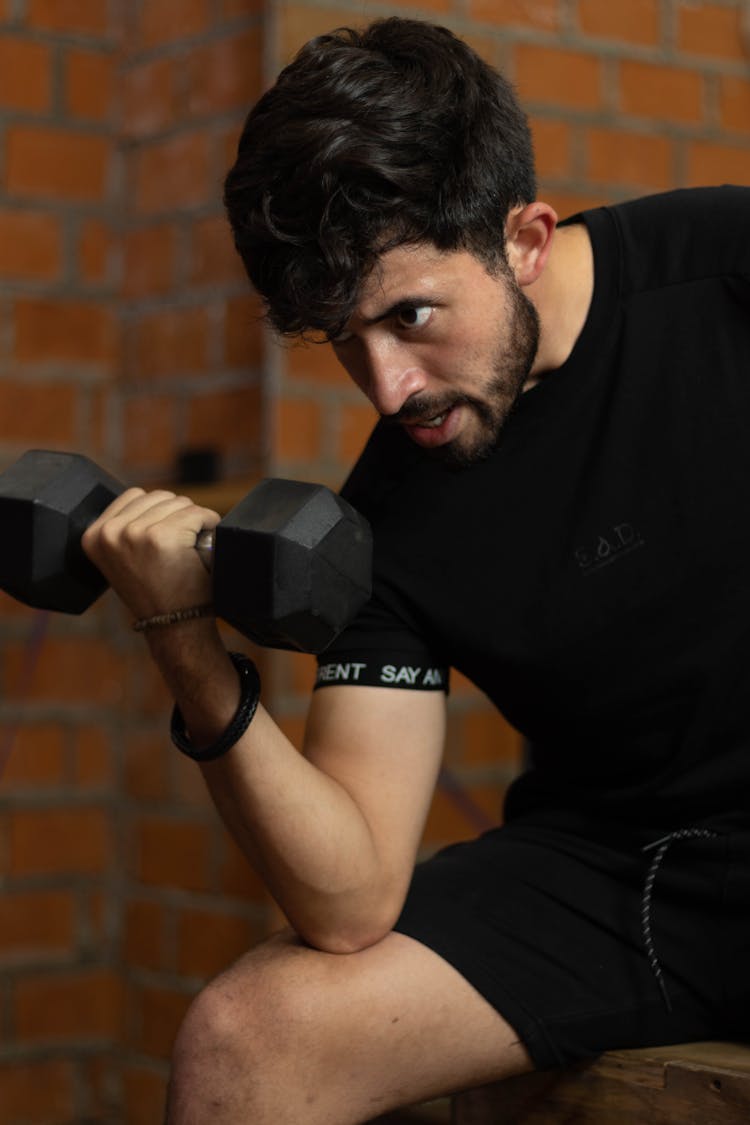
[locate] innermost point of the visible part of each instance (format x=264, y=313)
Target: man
x=558, y=491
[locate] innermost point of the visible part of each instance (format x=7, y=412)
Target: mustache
x=422, y=407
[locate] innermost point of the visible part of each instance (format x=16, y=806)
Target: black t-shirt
x=592, y=575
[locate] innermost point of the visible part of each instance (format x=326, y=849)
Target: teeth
x=433, y=423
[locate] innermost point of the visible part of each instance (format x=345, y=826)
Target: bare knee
x=237, y=1056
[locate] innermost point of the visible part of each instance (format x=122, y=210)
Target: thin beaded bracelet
x=161, y=620
x=249, y=699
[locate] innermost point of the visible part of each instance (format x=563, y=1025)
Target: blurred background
x=127, y=333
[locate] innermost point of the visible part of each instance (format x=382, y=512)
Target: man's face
x=441, y=347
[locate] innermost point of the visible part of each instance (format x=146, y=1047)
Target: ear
x=528, y=240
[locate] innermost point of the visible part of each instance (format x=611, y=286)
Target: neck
x=562, y=297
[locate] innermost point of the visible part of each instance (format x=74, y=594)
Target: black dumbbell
x=291, y=562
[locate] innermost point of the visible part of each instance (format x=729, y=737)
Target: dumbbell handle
x=204, y=545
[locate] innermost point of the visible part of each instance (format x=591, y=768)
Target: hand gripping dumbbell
x=290, y=563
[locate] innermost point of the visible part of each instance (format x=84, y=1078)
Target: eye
x=414, y=316
x=342, y=338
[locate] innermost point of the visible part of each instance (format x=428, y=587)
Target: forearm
x=303, y=832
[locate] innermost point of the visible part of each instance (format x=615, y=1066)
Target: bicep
x=384, y=747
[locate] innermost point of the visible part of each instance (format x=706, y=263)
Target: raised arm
x=333, y=830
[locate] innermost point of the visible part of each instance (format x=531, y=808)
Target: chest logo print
x=620, y=540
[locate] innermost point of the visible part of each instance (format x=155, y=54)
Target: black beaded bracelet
x=249, y=699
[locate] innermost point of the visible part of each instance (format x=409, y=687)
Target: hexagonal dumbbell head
x=47, y=500
x=292, y=565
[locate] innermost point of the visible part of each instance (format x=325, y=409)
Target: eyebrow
x=401, y=305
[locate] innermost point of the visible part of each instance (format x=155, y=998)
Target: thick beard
x=513, y=360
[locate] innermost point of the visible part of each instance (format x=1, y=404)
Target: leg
x=290, y=1035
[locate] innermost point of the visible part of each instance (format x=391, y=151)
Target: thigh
x=549, y=927
x=345, y=1037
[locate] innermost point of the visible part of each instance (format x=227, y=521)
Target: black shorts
x=547, y=925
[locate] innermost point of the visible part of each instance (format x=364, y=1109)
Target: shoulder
x=681, y=236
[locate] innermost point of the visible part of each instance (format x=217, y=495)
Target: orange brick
x=423, y=5
x=297, y=429
x=236, y=9
x=488, y=739
x=297, y=672
x=38, y=1092
x=25, y=74
x=224, y=75
x=160, y=22
x=39, y=413
x=100, y=1075
x=144, y=1092
x=172, y=853
x=58, y=1006
x=209, y=941
x=666, y=93
x=146, y=760
x=144, y=935
x=96, y=247
x=149, y=96
x=88, y=16
x=172, y=341
x=226, y=419
x=175, y=173
x=36, y=922
x=100, y=421
x=156, y=1014
x=54, y=841
x=313, y=361
x=356, y=426
x=37, y=755
x=60, y=164
x=710, y=163
x=244, y=333
x=297, y=24
x=544, y=14
x=570, y=202
x=30, y=245
x=637, y=21
x=149, y=260
x=711, y=29
x=213, y=258
x=230, y=144
x=552, y=146
x=638, y=159
x=734, y=101
x=93, y=765
x=150, y=433
x=89, y=84
x=569, y=78
x=70, y=670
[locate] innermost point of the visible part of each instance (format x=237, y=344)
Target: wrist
x=249, y=682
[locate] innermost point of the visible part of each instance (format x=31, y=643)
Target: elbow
x=350, y=935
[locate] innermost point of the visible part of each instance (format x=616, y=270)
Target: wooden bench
x=689, y=1084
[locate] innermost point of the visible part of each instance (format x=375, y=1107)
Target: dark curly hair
x=397, y=134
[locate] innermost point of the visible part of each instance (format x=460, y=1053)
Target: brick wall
x=126, y=332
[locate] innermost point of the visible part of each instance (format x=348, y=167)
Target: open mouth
x=431, y=423
x=438, y=429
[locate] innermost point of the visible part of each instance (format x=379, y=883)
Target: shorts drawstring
x=662, y=845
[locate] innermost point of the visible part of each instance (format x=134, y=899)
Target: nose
x=391, y=375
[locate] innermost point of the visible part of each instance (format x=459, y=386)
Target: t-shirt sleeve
x=378, y=650
x=390, y=643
